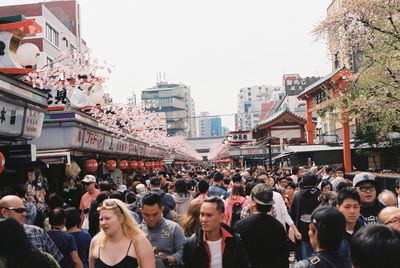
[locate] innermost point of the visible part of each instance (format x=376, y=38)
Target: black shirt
x=265, y=240
x=369, y=215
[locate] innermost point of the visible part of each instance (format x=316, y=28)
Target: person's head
x=397, y=186
x=181, y=187
x=295, y=171
x=309, y=179
x=203, y=186
x=152, y=209
x=191, y=219
x=365, y=185
x=57, y=217
x=114, y=217
x=328, y=170
x=262, y=198
x=390, y=216
x=212, y=213
x=263, y=176
x=73, y=217
x=270, y=181
x=326, y=186
x=140, y=188
x=155, y=183
x=218, y=178
x=162, y=175
x=290, y=188
x=246, y=175
x=89, y=181
x=375, y=245
x=283, y=181
x=101, y=197
x=327, y=198
x=55, y=201
x=11, y=206
x=326, y=229
x=237, y=178
x=31, y=176
x=130, y=197
x=339, y=173
x=348, y=202
x=237, y=189
x=387, y=198
x=117, y=195
x=105, y=186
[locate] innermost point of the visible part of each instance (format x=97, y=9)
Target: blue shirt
x=66, y=244
x=82, y=240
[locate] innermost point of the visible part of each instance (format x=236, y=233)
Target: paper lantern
x=148, y=165
x=123, y=165
x=140, y=164
x=111, y=165
x=91, y=165
x=2, y=162
x=133, y=164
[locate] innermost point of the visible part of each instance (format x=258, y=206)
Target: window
x=249, y=93
x=52, y=35
x=73, y=51
x=49, y=62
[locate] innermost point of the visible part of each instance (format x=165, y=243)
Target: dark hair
x=218, y=176
x=342, y=185
x=347, y=193
x=57, y=216
x=162, y=173
x=309, y=179
x=17, y=247
x=130, y=197
x=375, y=245
x=55, y=201
x=151, y=199
x=295, y=170
x=218, y=202
x=328, y=169
x=117, y=195
x=101, y=197
x=236, y=178
x=261, y=174
x=237, y=189
x=73, y=217
x=263, y=208
x=326, y=183
x=105, y=186
x=181, y=188
x=20, y=190
x=330, y=240
x=203, y=186
x=397, y=184
x=291, y=184
x=227, y=181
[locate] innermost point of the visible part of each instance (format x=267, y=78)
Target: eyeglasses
x=365, y=189
x=109, y=204
x=395, y=220
x=17, y=210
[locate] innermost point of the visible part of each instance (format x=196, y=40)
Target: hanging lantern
x=2, y=162
x=111, y=165
x=91, y=165
x=147, y=165
x=153, y=164
x=133, y=164
x=140, y=164
x=123, y=165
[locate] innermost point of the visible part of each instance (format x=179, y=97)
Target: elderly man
x=390, y=216
x=11, y=206
x=388, y=198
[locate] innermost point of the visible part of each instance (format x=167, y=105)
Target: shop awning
x=54, y=156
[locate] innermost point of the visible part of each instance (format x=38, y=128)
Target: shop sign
x=11, y=119
x=33, y=123
x=93, y=140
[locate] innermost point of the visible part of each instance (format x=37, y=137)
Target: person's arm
x=76, y=261
x=179, y=240
x=92, y=257
x=144, y=252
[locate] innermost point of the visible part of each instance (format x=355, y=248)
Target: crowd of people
x=216, y=217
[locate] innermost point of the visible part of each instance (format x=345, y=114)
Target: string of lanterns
x=91, y=165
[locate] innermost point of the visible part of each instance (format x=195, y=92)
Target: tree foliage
x=371, y=27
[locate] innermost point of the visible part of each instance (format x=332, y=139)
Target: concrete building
x=176, y=102
x=203, y=144
x=209, y=126
x=250, y=100
x=131, y=100
x=61, y=25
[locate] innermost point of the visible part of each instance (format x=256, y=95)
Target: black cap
x=326, y=219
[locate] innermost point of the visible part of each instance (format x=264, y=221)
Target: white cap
x=363, y=177
x=89, y=179
x=122, y=188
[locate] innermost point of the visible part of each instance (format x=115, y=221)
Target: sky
x=214, y=46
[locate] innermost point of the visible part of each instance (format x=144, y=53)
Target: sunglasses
x=17, y=210
x=109, y=204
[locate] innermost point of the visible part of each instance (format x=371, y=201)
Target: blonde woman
x=120, y=242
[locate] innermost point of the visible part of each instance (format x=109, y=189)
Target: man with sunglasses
x=365, y=185
x=11, y=206
x=89, y=182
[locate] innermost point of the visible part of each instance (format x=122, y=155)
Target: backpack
x=236, y=211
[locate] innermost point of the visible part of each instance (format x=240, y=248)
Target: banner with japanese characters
x=11, y=119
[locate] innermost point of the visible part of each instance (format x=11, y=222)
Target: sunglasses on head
x=109, y=204
x=17, y=210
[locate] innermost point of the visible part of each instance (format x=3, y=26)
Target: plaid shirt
x=42, y=241
x=247, y=212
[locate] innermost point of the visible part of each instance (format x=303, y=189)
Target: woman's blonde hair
x=129, y=225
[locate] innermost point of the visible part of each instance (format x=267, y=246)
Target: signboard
x=11, y=119
x=33, y=123
x=93, y=140
x=240, y=137
x=294, y=84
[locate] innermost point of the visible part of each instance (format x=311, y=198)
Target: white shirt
x=295, y=179
x=216, y=253
x=282, y=214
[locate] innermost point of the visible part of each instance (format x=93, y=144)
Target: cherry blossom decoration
x=135, y=121
x=74, y=73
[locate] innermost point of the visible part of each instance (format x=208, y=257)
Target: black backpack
x=236, y=211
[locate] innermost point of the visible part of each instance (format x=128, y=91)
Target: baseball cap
x=122, y=188
x=326, y=219
x=155, y=181
x=89, y=179
x=262, y=194
x=363, y=177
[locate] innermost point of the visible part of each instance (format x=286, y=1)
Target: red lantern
x=147, y=164
x=133, y=164
x=123, y=164
x=2, y=163
x=90, y=165
x=140, y=164
x=111, y=165
x=154, y=164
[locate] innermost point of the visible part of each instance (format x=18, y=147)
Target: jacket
x=196, y=253
x=324, y=259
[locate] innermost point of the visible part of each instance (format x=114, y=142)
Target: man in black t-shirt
x=263, y=236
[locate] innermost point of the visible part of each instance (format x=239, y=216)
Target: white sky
x=214, y=46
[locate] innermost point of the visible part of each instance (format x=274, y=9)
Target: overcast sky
x=214, y=46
